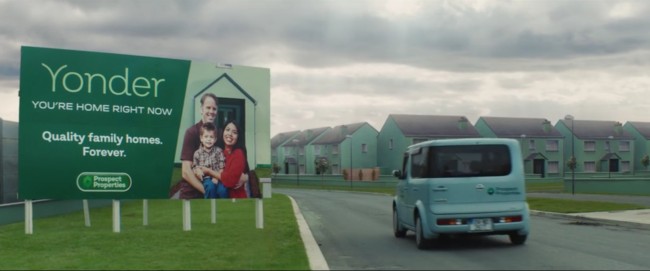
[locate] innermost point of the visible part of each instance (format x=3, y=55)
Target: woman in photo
x=232, y=144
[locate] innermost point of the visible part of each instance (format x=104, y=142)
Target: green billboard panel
x=102, y=125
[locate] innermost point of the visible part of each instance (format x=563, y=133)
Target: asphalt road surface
x=354, y=232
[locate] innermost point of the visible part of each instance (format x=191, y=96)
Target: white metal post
x=213, y=209
x=116, y=216
x=145, y=212
x=86, y=213
x=266, y=187
x=29, y=217
x=187, y=215
x=259, y=213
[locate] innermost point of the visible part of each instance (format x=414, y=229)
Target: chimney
x=546, y=126
x=462, y=123
x=618, y=128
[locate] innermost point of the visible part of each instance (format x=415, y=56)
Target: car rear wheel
x=420, y=241
x=517, y=239
x=398, y=231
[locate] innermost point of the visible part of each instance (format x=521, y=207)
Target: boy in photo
x=208, y=160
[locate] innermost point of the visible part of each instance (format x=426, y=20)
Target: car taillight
x=452, y=221
x=510, y=219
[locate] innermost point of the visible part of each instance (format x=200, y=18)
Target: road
x=354, y=232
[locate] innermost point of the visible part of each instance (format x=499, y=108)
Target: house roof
x=596, y=129
x=519, y=127
x=307, y=136
x=431, y=126
x=281, y=138
x=338, y=133
x=642, y=127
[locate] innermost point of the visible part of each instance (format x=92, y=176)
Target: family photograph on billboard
x=214, y=160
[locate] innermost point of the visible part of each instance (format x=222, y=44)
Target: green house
x=400, y=130
x=541, y=144
x=598, y=146
x=348, y=146
x=303, y=151
x=278, y=155
x=641, y=133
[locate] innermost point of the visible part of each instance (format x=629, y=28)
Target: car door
x=403, y=187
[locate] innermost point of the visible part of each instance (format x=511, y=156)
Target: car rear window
x=461, y=161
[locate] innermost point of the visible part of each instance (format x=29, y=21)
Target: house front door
x=538, y=167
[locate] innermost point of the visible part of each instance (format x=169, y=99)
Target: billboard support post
x=86, y=213
x=266, y=187
x=116, y=216
x=213, y=204
x=187, y=215
x=259, y=214
x=29, y=217
x=145, y=212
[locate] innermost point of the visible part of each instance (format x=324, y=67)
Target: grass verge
x=63, y=242
x=577, y=206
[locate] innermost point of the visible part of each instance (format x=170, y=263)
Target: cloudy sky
x=337, y=62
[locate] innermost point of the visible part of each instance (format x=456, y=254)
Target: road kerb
x=316, y=259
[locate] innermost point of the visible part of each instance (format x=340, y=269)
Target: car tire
x=517, y=239
x=420, y=241
x=398, y=231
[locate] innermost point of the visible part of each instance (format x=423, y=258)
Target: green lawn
x=577, y=206
x=63, y=242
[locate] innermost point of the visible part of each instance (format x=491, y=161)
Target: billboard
x=112, y=126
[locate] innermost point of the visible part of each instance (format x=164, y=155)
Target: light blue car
x=461, y=186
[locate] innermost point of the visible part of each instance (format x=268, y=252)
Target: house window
x=552, y=145
x=590, y=166
x=390, y=144
x=625, y=166
x=316, y=149
x=335, y=149
x=301, y=151
x=531, y=145
x=607, y=146
x=624, y=146
x=553, y=167
x=364, y=148
x=590, y=146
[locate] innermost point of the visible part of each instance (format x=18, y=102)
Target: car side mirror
x=398, y=173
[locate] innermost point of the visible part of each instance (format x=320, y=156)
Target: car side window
x=419, y=165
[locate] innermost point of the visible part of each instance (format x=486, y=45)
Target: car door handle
x=440, y=189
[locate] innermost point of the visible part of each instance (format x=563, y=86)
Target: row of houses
x=547, y=148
